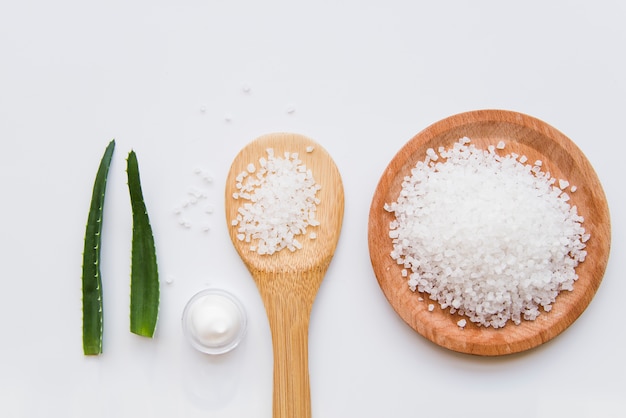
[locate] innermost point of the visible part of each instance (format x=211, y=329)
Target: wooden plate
x=524, y=135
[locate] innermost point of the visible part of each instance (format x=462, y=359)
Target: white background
x=169, y=79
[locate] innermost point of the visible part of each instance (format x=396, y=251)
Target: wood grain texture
x=289, y=281
x=524, y=135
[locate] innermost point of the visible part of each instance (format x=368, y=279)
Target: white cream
x=214, y=321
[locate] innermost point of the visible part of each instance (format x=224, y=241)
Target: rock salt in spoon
x=288, y=281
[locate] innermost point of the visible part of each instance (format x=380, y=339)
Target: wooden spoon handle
x=288, y=310
x=290, y=330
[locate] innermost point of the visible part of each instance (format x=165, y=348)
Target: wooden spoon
x=524, y=135
x=288, y=281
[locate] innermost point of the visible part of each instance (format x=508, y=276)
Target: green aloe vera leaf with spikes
x=144, y=283
x=92, y=276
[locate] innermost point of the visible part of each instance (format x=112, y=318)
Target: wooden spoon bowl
x=523, y=135
x=288, y=281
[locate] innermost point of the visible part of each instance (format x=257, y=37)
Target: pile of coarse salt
x=488, y=236
x=280, y=205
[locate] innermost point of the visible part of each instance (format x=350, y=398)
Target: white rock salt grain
x=485, y=236
x=188, y=212
x=280, y=203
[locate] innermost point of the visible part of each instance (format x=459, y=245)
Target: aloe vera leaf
x=92, y=276
x=144, y=283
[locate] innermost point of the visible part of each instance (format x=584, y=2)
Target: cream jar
x=214, y=321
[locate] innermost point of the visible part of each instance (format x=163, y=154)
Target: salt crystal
x=281, y=201
x=493, y=258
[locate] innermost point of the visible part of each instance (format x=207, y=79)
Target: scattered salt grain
x=290, y=109
x=461, y=323
x=310, y=148
x=500, y=145
x=431, y=307
x=189, y=211
x=279, y=204
x=486, y=237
